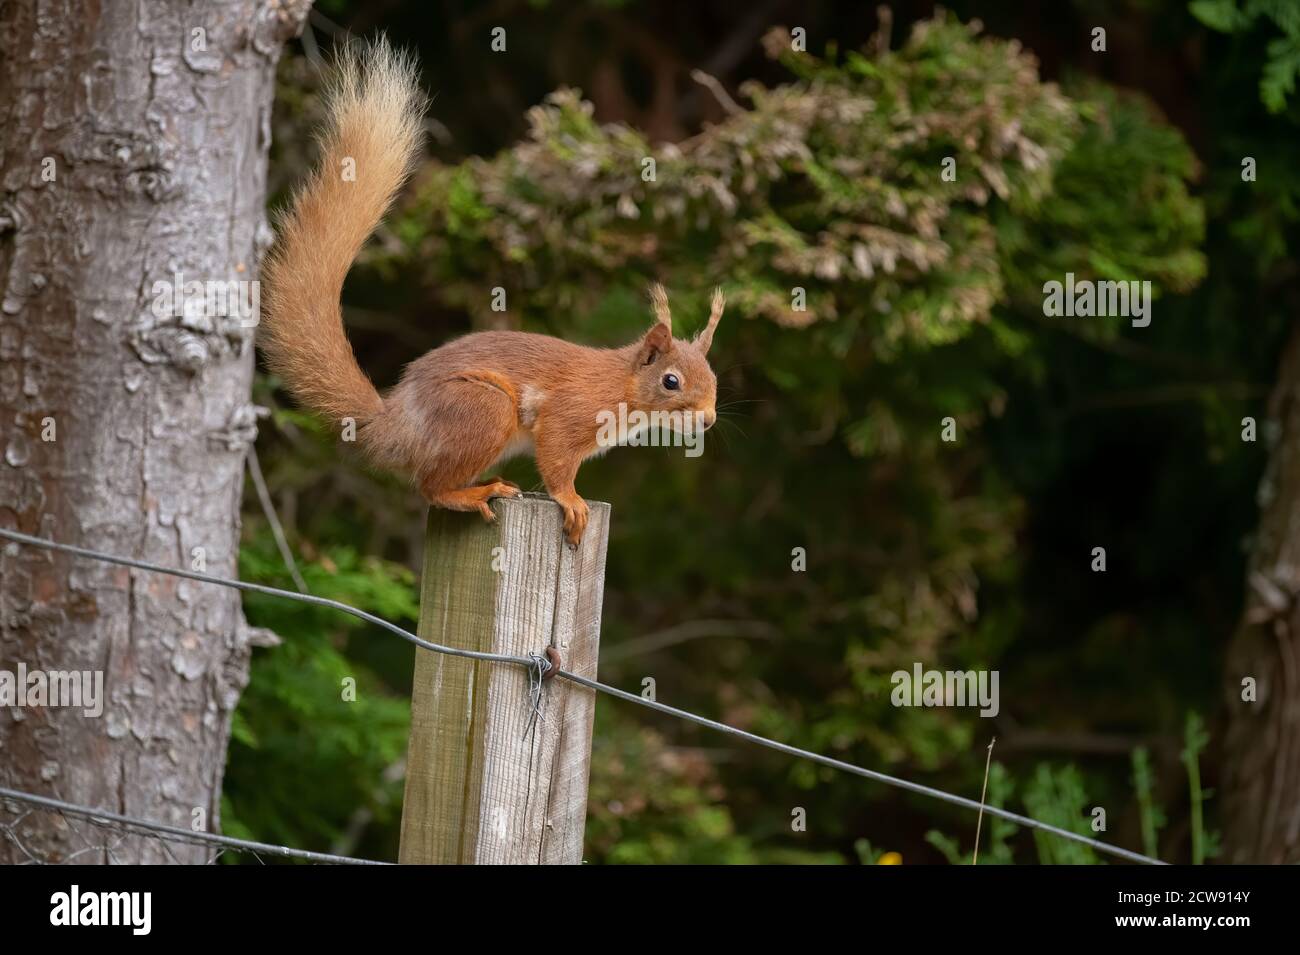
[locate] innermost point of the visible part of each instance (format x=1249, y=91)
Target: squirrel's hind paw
x=498, y=479
x=499, y=488
x=473, y=498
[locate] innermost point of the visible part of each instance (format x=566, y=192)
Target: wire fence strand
x=830, y=762
x=117, y=827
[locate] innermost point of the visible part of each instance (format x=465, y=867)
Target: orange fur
x=368, y=148
x=476, y=400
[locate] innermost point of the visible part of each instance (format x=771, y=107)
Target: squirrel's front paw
x=575, y=518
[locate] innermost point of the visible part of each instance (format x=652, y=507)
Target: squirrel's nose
x=708, y=417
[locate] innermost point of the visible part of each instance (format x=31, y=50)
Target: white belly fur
x=522, y=442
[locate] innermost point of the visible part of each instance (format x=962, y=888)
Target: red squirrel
x=470, y=404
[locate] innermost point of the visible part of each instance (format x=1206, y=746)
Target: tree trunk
x=135, y=146
x=1261, y=782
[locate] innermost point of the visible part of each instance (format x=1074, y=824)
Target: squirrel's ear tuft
x=656, y=342
x=705, y=338
x=659, y=299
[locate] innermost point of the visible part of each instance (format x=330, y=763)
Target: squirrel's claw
x=496, y=488
x=575, y=519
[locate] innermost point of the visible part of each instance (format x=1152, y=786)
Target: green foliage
x=829, y=184
x=1205, y=844
x=1152, y=816
x=1125, y=158
x=996, y=849
x=303, y=757
x=649, y=802
x=1056, y=796
x=1282, y=65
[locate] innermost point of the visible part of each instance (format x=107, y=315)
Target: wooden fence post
x=481, y=786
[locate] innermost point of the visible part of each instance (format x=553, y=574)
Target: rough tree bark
x=1261, y=780
x=134, y=148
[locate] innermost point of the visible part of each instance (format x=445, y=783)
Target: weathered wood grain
x=483, y=786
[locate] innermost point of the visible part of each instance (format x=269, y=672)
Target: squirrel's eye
x=671, y=382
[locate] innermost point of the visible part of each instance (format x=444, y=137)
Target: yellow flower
x=890, y=858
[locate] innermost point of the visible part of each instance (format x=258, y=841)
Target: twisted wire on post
x=539, y=667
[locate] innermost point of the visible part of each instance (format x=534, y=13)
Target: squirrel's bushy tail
x=369, y=146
